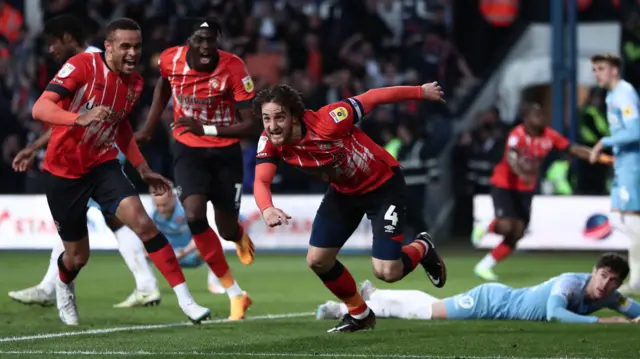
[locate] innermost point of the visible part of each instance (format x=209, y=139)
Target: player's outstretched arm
x=584, y=153
x=25, y=157
x=557, y=311
x=248, y=126
x=626, y=306
x=161, y=96
x=387, y=95
x=273, y=217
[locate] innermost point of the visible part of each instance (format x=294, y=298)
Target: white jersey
x=92, y=49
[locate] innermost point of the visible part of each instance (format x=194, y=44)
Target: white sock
x=403, y=304
x=631, y=225
x=183, y=294
x=48, y=283
x=488, y=262
x=212, y=279
x=362, y=315
x=132, y=251
x=234, y=290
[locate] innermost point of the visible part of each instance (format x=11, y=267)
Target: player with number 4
x=365, y=180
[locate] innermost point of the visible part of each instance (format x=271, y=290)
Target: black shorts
x=215, y=172
x=508, y=203
x=68, y=197
x=339, y=216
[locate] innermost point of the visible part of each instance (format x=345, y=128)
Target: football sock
x=340, y=282
x=132, y=251
x=48, y=283
x=162, y=255
x=632, y=228
x=499, y=253
x=412, y=254
x=403, y=304
x=211, y=251
x=66, y=275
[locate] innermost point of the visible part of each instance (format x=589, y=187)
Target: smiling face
x=124, y=48
x=278, y=123
x=204, y=43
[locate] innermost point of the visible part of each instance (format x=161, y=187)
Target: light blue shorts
x=191, y=260
x=482, y=302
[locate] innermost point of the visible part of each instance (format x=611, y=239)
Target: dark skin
x=203, y=57
x=535, y=123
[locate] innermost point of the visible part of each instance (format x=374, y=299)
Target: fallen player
x=567, y=298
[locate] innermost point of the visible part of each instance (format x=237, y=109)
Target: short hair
x=529, y=107
x=611, y=59
x=614, y=262
x=284, y=95
x=65, y=24
x=122, y=23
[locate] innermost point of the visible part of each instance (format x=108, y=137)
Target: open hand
x=98, y=113
x=433, y=92
x=188, y=124
x=595, y=152
x=159, y=184
x=274, y=217
x=23, y=160
x=614, y=320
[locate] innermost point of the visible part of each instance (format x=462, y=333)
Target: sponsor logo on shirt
x=339, y=114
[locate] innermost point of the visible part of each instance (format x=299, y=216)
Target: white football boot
x=33, y=295
x=328, y=310
x=196, y=313
x=140, y=299
x=66, y=301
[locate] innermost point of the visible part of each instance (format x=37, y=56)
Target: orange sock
x=340, y=282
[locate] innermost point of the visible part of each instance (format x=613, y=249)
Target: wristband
x=210, y=130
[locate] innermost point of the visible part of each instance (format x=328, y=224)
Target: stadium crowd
x=382, y=43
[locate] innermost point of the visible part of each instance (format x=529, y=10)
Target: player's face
x=124, y=49
x=205, y=46
x=536, y=119
x=57, y=48
x=604, y=282
x=277, y=123
x=604, y=73
x=165, y=204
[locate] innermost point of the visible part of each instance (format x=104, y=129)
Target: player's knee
x=388, y=272
x=518, y=230
x=144, y=227
x=77, y=260
x=320, y=263
x=228, y=231
x=506, y=226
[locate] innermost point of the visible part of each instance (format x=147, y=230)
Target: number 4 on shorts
x=391, y=215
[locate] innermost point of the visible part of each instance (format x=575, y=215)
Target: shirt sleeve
x=627, y=105
x=624, y=305
x=266, y=153
x=71, y=76
x=558, y=302
x=560, y=142
x=164, y=60
x=338, y=118
x=241, y=83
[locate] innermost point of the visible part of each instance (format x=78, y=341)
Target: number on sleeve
x=391, y=215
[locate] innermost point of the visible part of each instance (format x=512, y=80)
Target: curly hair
x=616, y=263
x=284, y=95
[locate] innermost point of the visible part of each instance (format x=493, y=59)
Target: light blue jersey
x=178, y=234
x=623, y=107
x=561, y=298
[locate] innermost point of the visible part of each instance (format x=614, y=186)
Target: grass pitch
x=285, y=295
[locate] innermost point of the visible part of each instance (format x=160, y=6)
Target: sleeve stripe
x=59, y=89
x=357, y=108
x=274, y=160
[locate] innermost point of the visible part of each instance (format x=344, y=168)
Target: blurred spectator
x=10, y=22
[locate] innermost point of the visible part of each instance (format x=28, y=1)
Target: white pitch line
x=145, y=327
x=268, y=355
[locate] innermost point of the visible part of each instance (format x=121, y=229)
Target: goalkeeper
x=567, y=298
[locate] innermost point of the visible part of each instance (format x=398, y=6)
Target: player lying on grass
x=169, y=216
x=567, y=298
